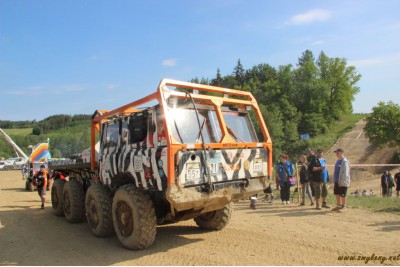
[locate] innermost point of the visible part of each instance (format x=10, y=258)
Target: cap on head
x=310, y=151
x=339, y=150
x=284, y=156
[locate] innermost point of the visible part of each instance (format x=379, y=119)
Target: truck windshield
x=185, y=128
x=239, y=126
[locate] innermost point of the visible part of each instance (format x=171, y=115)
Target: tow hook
x=246, y=182
x=209, y=187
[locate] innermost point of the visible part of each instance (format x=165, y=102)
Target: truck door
x=109, y=149
x=133, y=152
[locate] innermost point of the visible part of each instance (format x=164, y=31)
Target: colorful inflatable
x=40, y=152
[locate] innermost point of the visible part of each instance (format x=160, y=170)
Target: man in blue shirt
x=324, y=178
x=342, y=179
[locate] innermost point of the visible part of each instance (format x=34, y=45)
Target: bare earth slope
x=358, y=150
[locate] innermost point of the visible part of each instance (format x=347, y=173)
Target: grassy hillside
x=25, y=131
x=68, y=135
x=345, y=124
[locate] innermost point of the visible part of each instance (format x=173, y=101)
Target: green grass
x=24, y=131
x=342, y=126
x=376, y=203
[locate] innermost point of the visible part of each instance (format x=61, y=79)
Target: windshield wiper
x=201, y=130
x=234, y=134
x=177, y=131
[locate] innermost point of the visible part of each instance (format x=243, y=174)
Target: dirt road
x=272, y=234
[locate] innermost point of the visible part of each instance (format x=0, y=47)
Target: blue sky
x=73, y=57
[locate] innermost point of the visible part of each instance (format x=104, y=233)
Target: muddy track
x=272, y=234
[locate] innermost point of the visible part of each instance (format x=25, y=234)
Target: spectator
x=284, y=171
x=314, y=171
x=390, y=184
x=371, y=193
x=268, y=193
x=364, y=193
x=41, y=179
x=305, y=181
x=342, y=179
x=324, y=178
x=24, y=172
x=384, y=183
x=397, y=180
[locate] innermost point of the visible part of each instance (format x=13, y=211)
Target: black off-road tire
x=31, y=187
x=98, y=204
x=27, y=185
x=73, y=202
x=134, y=218
x=215, y=220
x=57, y=198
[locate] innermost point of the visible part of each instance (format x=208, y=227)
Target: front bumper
x=194, y=198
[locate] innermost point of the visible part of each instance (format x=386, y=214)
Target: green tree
x=218, y=79
x=308, y=97
x=239, y=73
x=383, y=124
x=36, y=131
x=339, y=85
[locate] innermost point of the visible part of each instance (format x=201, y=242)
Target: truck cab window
x=112, y=134
x=124, y=132
x=137, y=127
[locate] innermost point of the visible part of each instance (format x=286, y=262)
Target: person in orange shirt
x=41, y=178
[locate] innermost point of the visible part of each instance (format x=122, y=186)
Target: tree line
x=68, y=134
x=383, y=125
x=294, y=100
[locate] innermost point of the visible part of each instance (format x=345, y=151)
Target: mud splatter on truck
x=193, y=151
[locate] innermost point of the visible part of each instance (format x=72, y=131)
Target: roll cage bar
x=163, y=93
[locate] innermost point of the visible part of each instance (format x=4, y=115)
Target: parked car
x=14, y=163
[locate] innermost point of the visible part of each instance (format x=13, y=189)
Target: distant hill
x=69, y=134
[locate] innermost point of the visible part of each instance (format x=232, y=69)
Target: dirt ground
x=273, y=234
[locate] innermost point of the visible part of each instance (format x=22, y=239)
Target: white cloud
x=112, y=86
x=93, y=58
x=169, y=62
x=395, y=26
x=389, y=60
x=69, y=87
x=29, y=91
x=48, y=89
x=319, y=42
x=366, y=62
x=310, y=16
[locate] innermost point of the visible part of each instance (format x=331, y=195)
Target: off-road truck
x=187, y=151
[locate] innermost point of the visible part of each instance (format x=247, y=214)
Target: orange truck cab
x=187, y=151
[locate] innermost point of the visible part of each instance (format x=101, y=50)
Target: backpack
x=304, y=175
x=39, y=181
